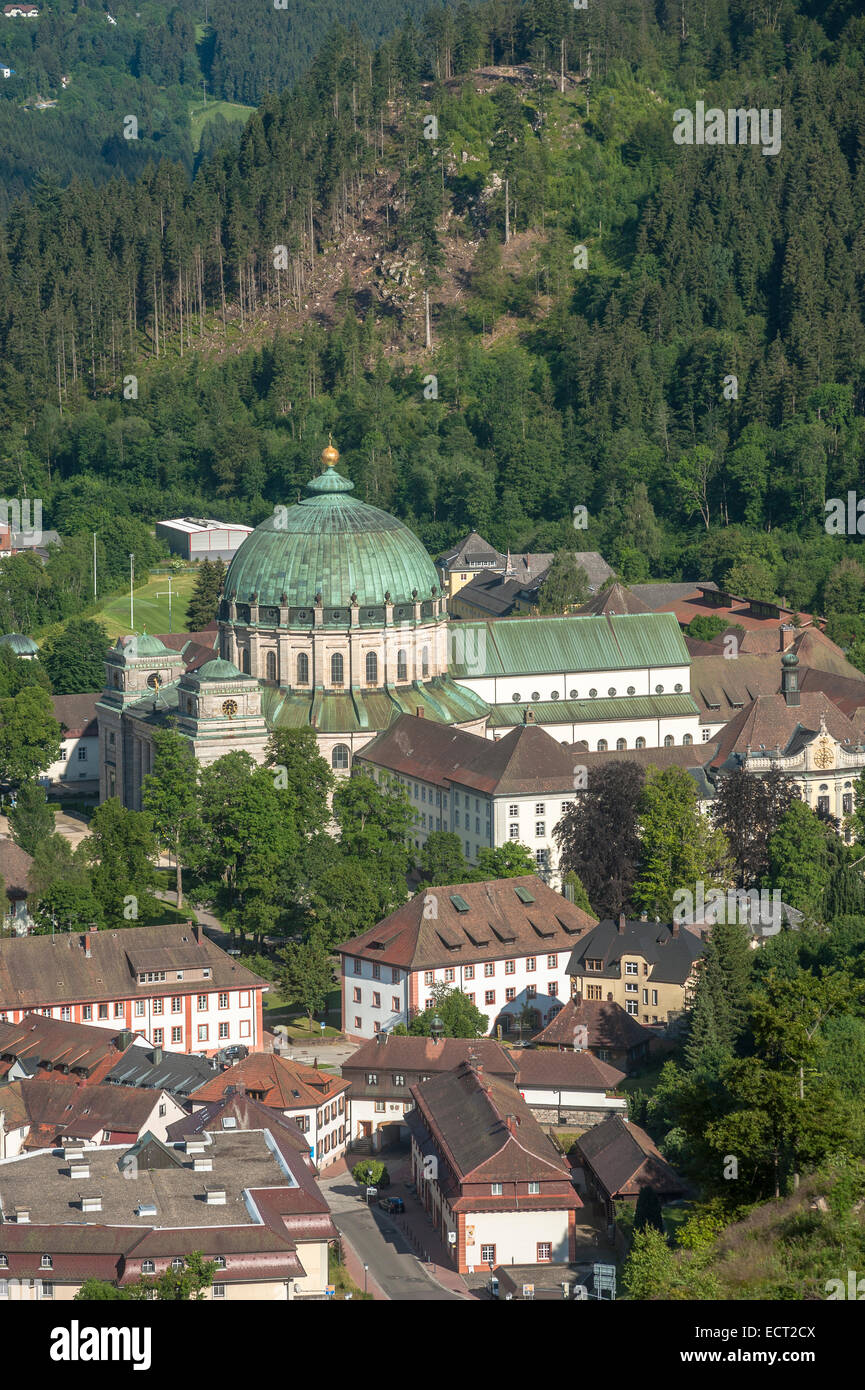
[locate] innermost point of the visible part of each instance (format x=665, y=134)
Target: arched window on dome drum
x=336, y=671
x=668, y=740
x=339, y=758
x=302, y=669
x=371, y=668
x=271, y=666
x=687, y=739
x=640, y=743
x=621, y=743
x=424, y=662
x=245, y=660
x=401, y=665
x=602, y=745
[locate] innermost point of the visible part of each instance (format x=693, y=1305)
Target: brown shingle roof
x=617, y=599
x=81, y=1111
x=468, y=1115
x=769, y=723
x=526, y=760
x=42, y=970
x=608, y=1024
x=286, y=1085
x=15, y=866
x=407, y=1053
x=247, y=1114
x=53, y=1043
x=577, y=1070
x=77, y=714
x=625, y=1160
x=497, y=925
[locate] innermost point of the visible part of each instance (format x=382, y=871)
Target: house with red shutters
x=505, y=943
x=491, y=1182
x=167, y=983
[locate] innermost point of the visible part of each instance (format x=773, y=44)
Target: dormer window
x=46, y=1262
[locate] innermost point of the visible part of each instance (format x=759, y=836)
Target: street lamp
x=437, y=1029
x=365, y=1268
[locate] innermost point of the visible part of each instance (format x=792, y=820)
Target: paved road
x=378, y=1243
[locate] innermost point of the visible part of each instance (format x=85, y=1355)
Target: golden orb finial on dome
x=330, y=455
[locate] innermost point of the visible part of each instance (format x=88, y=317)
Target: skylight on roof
x=459, y=902
x=523, y=893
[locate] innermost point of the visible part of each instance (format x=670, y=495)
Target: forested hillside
x=278, y=293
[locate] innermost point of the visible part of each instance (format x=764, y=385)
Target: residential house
x=168, y=983
x=567, y=1087
x=489, y=793
x=59, y=1113
x=245, y=1199
x=492, y=1184
x=504, y=943
x=15, y=867
x=645, y=966
x=315, y=1100
x=619, y=1160
x=382, y=1072
x=600, y=1027
x=78, y=764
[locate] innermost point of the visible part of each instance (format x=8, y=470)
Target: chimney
x=419, y=711
x=157, y=1056
x=196, y=932
x=621, y=926
x=124, y=1039
x=87, y=945
x=512, y=1124
x=674, y=930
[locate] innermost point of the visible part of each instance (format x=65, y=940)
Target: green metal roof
x=546, y=646
x=332, y=544
x=217, y=670
x=583, y=711
x=360, y=710
x=21, y=645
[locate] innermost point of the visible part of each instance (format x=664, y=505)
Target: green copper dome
x=333, y=545
x=217, y=670
x=20, y=645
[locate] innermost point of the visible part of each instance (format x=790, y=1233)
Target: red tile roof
x=55, y=1044
x=286, y=1085
x=407, y=1053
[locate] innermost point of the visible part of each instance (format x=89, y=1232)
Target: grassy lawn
x=151, y=606
x=199, y=114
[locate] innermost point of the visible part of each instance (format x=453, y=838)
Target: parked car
x=394, y=1206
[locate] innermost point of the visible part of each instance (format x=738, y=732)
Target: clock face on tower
x=229, y=708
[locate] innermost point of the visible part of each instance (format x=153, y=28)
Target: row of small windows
x=593, y=694
x=621, y=743
x=337, y=667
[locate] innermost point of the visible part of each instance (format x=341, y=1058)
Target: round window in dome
x=554, y=694
x=535, y=695
x=632, y=690
x=659, y=690
x=612, y=690
x=516, y=698
x=592, y=693
x=678, y=689
x=573, y=695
